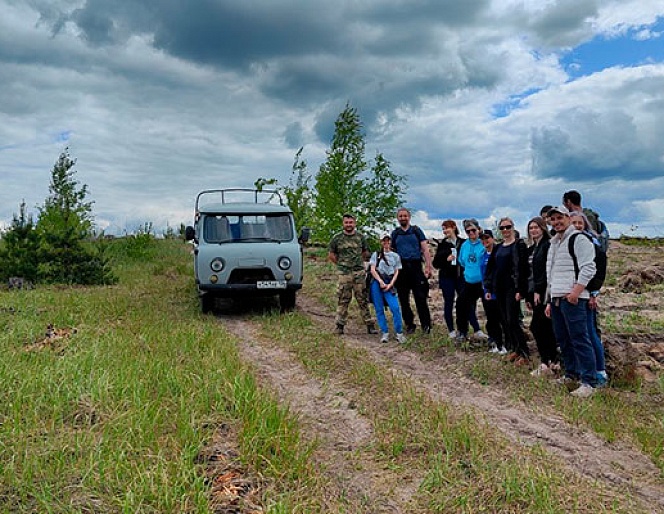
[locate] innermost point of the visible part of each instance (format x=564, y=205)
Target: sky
x=489, y=108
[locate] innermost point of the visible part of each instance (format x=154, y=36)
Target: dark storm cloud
x=564, y=22
x=586, y=145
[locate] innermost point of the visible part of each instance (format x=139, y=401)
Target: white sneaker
x=502, y=351
x=384, y=338
x=401, y=339
x=584, y=391
x=494, y=349
x=452, y=334
x=481, y=335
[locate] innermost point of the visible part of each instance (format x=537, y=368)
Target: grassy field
x=112, y=413
x=111, y=416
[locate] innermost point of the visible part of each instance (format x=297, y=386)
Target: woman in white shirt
x=385, y=266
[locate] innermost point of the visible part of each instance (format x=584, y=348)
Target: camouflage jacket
x=349, y=249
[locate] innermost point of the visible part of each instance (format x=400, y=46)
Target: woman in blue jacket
x=471, y=255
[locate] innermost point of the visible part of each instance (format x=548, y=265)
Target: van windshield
x=247, y=227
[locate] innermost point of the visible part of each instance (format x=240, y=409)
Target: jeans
x=595, y=340
x=380, y=298
x=570, y=324
x=466, y=304
x=451, y=287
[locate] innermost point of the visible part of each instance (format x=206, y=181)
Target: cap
x=385, y=235
x=486, y=233
x=561, y=209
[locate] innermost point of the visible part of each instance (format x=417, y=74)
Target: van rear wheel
x=287, y=300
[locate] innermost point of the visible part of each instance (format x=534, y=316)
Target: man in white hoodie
x=568, y=300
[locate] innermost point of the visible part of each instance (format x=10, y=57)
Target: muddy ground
x=633, y=316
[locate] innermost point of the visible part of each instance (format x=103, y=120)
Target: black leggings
x=510, y=311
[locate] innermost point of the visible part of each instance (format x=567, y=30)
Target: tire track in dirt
x=328, y=416
x=614, y=464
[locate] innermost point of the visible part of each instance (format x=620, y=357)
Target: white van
x=245, y=244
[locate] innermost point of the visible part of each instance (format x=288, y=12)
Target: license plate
x=271, y=284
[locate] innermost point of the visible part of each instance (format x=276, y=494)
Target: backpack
x=599, y=227
x=600, y=262
x=603, y=235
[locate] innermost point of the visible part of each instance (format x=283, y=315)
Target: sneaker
x=371, y=329
x=401, y=339
x=410, y=329
x=493, y=349
x=502, y=351
x=426, y=330
x=481, y=335
x=340, y=329
x=452, y=335
x=570, y=383
x=602, y=379
x=540, y=371
x=384, y=338
x=584, y=391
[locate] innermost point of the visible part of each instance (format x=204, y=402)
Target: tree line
x=57, y=248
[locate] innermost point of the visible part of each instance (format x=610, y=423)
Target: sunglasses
x=471, y=230
x=506, y=227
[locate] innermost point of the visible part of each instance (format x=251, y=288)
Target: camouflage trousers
x=349, y=283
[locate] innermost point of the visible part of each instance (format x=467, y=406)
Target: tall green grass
x=111, y=418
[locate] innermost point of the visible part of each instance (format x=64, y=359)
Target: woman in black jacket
x=507, y=278
x=540, y=326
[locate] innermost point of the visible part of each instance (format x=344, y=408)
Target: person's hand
x=487, y=296
x=537, y=300
x=547, y=310
x=517, y=297
x=428, y=272
x=529, y=306
x=450, y=258
x=572, y=298
x=592, y=303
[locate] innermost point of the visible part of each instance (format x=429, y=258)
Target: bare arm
x=424, y=245
x=332, y=257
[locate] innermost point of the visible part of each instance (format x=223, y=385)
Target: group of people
x=552, y=270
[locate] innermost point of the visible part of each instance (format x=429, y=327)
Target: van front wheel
x=207, y=303
x=287, y=300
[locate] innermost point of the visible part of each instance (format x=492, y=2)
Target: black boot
x=371, y=329
x=340, y=329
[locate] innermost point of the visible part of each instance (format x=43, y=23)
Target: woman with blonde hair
x=507, y=279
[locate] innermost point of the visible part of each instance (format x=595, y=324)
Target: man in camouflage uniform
x=348, y=250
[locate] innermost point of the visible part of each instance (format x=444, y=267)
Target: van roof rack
x=221, y=194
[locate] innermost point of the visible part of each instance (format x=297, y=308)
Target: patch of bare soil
x=327, y=411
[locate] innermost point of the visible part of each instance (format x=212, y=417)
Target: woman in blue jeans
x=385, y=265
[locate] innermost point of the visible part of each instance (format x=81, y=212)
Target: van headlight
x=217, y=264
x=284, y=262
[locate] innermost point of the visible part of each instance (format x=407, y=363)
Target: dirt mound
x=635, y=280
x=634, y=357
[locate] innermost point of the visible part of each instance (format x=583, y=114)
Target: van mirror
x=305, y=234
x=189, y=233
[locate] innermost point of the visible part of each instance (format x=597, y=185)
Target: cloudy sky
x=488, y=107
